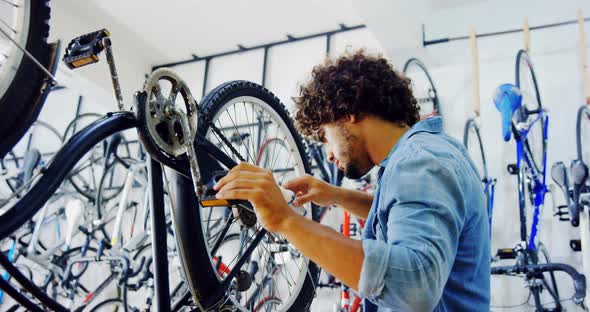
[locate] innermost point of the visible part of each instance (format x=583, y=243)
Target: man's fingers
x=302, y=200
x=241, y=183
x=243, y=194
x=233, y=175
x=300, y=184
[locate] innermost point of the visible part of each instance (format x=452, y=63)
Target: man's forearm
x=341, y=256
x=356, y=202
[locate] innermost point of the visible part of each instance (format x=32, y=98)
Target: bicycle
x=576, y=192
x=423, y=88
x=27, y=66
x=524, y=118
x=185, y=137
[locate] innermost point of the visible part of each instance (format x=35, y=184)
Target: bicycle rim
x=423, y=88
x=526, y=81
x=583, y=134
x=550, y=297
x=275, y=148
x=15, y=21
x=474, y=146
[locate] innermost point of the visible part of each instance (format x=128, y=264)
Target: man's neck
x=381, y=136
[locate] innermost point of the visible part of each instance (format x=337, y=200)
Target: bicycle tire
x=583, y=151
x=18, y=94
x=472, y=127
x=530, y=102
x=474, y=146
x=423, y=87
x=197, y=261
x=549, y=281
x=112, y=304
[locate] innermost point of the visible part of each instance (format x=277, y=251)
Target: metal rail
x=495, y=33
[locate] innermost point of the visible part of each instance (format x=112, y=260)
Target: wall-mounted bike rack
x=265, y=47
x=495, y=33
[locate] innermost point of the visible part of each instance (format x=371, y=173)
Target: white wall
x=555, y=54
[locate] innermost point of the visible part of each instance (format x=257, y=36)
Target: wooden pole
x=527, y=35
x=474, y=70
x=584, y=56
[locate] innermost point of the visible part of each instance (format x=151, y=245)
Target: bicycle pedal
x=84, y=50
x=506, y=253
x=512, y=169
x=208, y=199
x=576, y=245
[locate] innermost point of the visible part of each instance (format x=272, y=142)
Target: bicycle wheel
x=41, y=140
x=110, y=305
x=550, y=298
x=531, y=109
x=245, y=108
x=583, y=134
x=474, y=146
x=423, y=87
x=27, y=23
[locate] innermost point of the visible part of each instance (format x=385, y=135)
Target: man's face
x=346, y=149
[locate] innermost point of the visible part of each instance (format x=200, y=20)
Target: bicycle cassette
x=159, y=109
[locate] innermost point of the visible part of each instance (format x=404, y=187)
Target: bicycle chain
x=220, y=135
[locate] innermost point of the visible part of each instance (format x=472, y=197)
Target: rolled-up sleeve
x=422, y=219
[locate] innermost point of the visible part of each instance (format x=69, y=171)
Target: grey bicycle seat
x=579, y=172
x=559, y=175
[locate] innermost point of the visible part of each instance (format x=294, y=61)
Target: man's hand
x=311, y=189
x=258, y=186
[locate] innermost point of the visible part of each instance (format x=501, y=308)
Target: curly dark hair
x=354, y=84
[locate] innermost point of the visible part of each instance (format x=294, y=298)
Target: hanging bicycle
x=524, y=118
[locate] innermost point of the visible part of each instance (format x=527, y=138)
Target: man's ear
x=355, y=118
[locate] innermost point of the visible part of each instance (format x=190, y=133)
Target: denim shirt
x=426, y=241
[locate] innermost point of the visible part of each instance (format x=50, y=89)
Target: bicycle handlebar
x=579, y=279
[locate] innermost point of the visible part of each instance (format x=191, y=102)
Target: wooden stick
x=584, y=56
x=474, y=70
x=527, y=35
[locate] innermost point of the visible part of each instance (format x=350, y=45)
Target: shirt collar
x=431, y=125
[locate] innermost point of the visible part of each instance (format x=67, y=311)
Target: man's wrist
x=291, y=221
x=337, y=195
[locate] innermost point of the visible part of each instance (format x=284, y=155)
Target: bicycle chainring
x=161, y=128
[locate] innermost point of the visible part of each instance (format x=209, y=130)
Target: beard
x=358, y=162
x=354, y=172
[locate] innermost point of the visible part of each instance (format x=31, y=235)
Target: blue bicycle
x=524, y=118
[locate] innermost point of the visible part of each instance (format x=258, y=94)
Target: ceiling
x=175, y=29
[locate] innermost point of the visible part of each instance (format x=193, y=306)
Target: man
x=425, y=244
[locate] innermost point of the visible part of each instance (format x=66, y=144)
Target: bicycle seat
x=507, y=99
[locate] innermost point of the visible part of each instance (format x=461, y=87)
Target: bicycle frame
x=540, y=188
